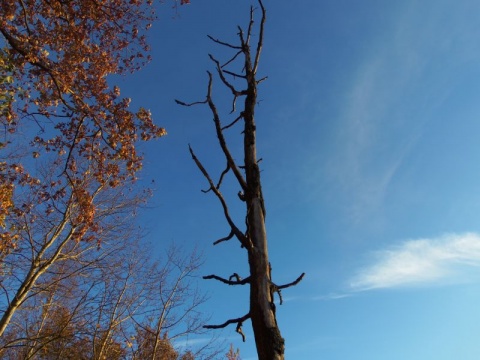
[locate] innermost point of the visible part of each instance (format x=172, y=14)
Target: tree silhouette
x=262, y=309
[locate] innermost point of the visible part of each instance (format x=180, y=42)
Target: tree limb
x=224, y=172
x=226, y=238
x=260, y=38
x=223, y=43
x=239, y=235
x=233, y=58
x=293, y=283
x=238, y=321
x=239, y=281
x=236, y=93
x=233, y=122
x=190, y=104
x=221, y=138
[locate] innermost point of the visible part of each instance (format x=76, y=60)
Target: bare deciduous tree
x=268, y=339
x=115, y=304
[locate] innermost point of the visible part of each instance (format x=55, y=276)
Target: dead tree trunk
x=268, y=339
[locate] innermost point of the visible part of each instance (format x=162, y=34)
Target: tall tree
x=60, y=54
x=68, y=146
x=262, y=310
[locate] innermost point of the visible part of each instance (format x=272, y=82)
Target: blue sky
x=369, y=131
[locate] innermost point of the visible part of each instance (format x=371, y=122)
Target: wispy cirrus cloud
x=448, y=259
x=390, y=99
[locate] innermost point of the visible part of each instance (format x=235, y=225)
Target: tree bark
x=269, y=341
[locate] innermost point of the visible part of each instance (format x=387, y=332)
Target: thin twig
x=233, y=122
x=232, y=59
x=224, y=43
x=224, y=172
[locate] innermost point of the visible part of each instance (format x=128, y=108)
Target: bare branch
x=250, y=25
x=231, y=73
x=233, y=122
x=221, y=138
x=224, y=172
x=229, y=282
x=190, y=104
x=239, y=235
x=292, y=283
x=228, y=322
x=224, y=43
x=262, y=79
x=260, y=38
x=226, y=238
x=236, y=93
x=279, y=292
x=242, y=40
x=233, y=58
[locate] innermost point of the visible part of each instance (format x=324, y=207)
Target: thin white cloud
x=392, y=94
x=451, y=258
x=331, y=296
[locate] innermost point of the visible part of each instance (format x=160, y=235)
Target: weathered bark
x=268, y=339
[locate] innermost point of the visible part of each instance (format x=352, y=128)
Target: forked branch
x=238, y=234
x=219, y=131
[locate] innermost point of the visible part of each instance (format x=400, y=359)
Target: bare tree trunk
x=268, y=339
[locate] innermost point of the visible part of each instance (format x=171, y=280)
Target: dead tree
x=269, y=341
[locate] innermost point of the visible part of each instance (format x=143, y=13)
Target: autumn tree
x=253, y=239
x=61, y=54
x=6, y=188
x=68, y=148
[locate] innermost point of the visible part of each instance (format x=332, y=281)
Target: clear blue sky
x=369, y=130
